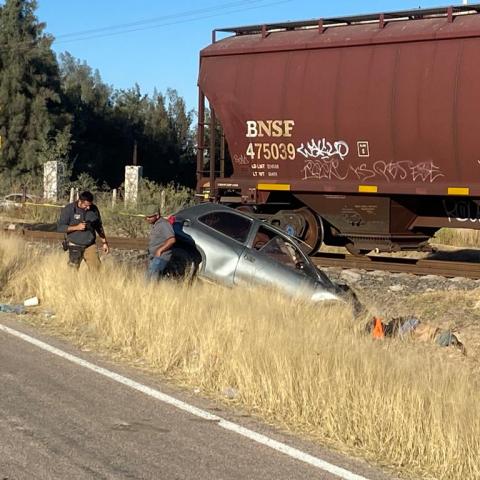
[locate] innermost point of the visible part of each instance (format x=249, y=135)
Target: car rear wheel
x=182, y=265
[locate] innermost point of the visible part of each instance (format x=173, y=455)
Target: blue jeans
x=156, y=267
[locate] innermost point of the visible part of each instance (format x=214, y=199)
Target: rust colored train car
x=359, y=131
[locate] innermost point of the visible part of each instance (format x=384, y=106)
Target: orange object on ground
x=377, y=331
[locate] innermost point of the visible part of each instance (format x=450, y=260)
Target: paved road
x=60, y=420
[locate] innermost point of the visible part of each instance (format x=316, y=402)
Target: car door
x=271, y=259
x=221, y=236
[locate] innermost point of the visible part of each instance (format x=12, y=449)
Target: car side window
x=230, y=224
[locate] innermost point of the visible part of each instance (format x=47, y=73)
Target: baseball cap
x=151, y=210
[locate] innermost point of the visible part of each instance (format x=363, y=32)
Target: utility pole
x=135, y=153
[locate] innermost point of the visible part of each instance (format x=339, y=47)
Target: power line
x=164, y=24
x=163, y=18
x=17, y=46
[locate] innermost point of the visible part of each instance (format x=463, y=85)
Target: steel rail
x=444, y=268
x=120, y=243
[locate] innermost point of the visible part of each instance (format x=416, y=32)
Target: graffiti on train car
x=423, y=172
x=402, y=170
x=323, y=169
x=240, y=160
x=324, y=149
x=461, y=211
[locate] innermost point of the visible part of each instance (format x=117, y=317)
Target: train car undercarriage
x=359, y=223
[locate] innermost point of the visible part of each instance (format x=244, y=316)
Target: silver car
x=16, y=200
x=233, y=248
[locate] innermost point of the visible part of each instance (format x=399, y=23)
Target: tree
x=108, y=123
x=183, y=138
x=82, y=86
x=32, y=114
x=51, y=110
x=130, y=108
x=88, y=100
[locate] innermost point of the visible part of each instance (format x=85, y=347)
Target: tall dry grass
x=304, y=367
x=13, y=255
x=458, y=237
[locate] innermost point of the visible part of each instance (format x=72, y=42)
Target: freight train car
x=357, y=131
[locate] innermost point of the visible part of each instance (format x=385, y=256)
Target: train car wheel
x=313, y=234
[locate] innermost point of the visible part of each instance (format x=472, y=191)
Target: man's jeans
x=156, y=267
x=77, y=253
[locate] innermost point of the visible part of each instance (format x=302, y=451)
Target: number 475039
x=271, y=151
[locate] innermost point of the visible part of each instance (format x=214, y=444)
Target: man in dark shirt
x=80, y=221
x=162, y=238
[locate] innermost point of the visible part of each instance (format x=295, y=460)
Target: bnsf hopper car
x=359, y=131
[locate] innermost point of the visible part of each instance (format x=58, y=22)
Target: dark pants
x=156, y=267
x=77, y=253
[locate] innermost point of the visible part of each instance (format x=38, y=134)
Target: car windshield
x=280, y=251
x=275, y=246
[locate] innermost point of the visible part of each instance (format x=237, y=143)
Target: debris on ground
x=6, y=308
x=412, y=327
x=230, y=393
x=31, y=302
x=396, y=288
x=19, y=308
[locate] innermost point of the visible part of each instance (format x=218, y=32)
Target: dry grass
x=458, y=237
x=304, y=367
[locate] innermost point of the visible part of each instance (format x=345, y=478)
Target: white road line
x=233, y=427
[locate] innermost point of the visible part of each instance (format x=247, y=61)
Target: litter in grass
x=412, y=327
x=6, y=308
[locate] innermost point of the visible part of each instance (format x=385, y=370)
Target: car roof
x=204, y=208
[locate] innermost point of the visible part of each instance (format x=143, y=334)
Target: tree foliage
x=62, y=110
x=31, y=113
x=108, y=123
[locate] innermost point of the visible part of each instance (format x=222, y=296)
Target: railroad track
x=120, y=243
x=444, y=268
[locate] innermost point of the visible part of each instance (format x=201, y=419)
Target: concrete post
x=53, y=173
x=72, y=195
x=162, y=202
x=114, y=197
x=133, y=174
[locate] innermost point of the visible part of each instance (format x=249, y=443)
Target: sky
x=156, y=43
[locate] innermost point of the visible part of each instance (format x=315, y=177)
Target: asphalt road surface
x=61, y=420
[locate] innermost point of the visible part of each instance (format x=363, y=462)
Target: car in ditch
x=230, y=247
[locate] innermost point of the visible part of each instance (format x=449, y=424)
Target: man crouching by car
x=81, y=221
x=162, y=238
